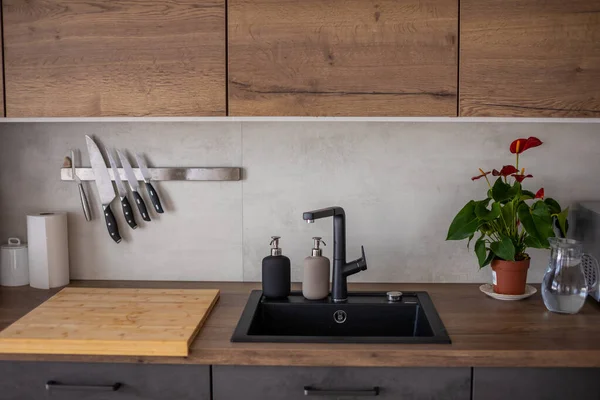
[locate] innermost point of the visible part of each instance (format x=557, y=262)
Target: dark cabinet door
x=529, y=58
x=77, y=381
x=290, y=383
x=97, y=58
x=536, y=383
x=2, y=111
x=343, y=58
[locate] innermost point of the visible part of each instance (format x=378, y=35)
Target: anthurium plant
x=510, y=219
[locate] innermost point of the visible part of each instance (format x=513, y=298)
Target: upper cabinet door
x=343, y=57
x=530, y=58
x=73, y=58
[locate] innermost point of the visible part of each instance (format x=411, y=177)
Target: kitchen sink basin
x=366, y=317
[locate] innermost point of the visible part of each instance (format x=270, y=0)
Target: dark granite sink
x=364, y=318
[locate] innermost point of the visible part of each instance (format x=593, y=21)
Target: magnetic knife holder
x=163, y=174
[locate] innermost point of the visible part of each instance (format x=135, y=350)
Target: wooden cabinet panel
x=530, y=58
x=340, y=57
x=27, y=381
x=73, y=58
x=536, y=383
x=275, y=383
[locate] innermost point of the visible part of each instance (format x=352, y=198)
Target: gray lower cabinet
x=536, y=383
x=290, y=383
x=87, y=381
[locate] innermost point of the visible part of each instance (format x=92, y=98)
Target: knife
x=134, y=186
x=127, y=210
x=106, y=191
x=82, y=196
x=151, y=191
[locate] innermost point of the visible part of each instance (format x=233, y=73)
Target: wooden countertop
x=484, y=332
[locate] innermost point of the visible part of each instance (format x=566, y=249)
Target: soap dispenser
x=315, y=285
x=276, y=273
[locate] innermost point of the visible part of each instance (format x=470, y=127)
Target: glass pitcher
x=565, y=287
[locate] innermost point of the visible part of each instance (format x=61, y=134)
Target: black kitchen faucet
x=341, y=269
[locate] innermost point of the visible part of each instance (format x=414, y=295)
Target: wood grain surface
x=530, y=58
x=484, y=332
x=74, y=58
x=117, y=321
x=343, y=58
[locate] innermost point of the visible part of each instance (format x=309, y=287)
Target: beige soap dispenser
x=315, y=285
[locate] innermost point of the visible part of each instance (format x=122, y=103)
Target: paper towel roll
x=48, y=250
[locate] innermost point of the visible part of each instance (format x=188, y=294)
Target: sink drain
x=340, y=316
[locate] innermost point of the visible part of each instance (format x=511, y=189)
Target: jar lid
x=14, y=243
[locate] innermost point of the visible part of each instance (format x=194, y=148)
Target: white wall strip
x=307, y=119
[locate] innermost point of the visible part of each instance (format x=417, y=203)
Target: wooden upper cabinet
x=73, y=58
x=530, y=58
x=343, y=57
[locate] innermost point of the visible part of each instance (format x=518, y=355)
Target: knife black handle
x=141, y=206
x=154, y=197
x=128, y=212
x=111, y=224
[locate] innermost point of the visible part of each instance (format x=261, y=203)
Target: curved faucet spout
x=341, y=269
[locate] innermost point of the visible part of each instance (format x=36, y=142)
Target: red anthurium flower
x=539, y=194
x=521, y=177
x=520, y=145
x=505, y=171
x=480, y=176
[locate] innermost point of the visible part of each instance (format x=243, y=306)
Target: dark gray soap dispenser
x=276, y=272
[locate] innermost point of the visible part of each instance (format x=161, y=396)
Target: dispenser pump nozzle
x=317, y=251
x=275, y=249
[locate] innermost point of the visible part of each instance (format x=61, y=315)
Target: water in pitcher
x=564, y=288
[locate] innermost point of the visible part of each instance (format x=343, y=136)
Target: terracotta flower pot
x=510, y=276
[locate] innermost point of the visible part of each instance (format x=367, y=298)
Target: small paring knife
x=147, y=178
x=85, y=205
x=134, y=186
x=127, y=210
x=106, y=190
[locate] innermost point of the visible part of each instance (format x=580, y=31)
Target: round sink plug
x=394, y=296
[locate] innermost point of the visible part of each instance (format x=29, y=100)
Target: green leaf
x=470, y=238
x=543, y=219
x=464, y=224
x=537, y=222
x=552, y=205
x=563, y=224
x=532, y=242
x=480, y=251
x=504, y=249
x=501, y=190
x=527, y=195
x=508, y=214
x=488, y=259
x=482, y=212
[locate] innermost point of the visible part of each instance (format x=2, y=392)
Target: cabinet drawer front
x=83, y=381
x=536, y=383
x=290, y=383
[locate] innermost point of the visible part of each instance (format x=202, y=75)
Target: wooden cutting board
x=134, y=322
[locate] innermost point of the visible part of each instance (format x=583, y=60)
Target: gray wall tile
x=400, y=184
x=198, y=238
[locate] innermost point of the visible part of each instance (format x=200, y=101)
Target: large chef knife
x=151, y=191
x=134, y=186
x=106, y=191
x=127, y=210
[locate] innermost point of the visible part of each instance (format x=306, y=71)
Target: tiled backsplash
x=400, y=182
